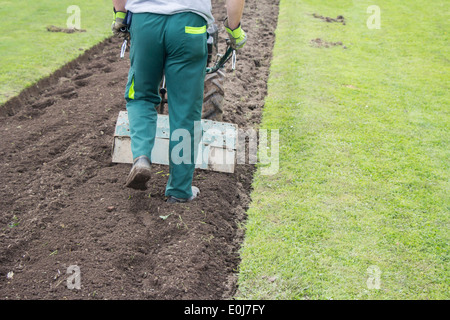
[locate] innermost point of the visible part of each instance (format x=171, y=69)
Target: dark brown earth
x=319, y=43
x=65, y=30
x=64, y=203
x=339, y=19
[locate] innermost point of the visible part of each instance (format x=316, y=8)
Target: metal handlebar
x=230, y=53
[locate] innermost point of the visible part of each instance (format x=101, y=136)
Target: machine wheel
x=213, y=98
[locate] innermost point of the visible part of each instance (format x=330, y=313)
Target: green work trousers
x=176, y=46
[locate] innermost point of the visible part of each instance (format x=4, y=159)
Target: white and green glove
x=238, y=36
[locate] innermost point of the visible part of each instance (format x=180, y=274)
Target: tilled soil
x=63, y=202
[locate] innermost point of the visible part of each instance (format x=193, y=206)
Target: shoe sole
x=172, y=199
x=138, y=179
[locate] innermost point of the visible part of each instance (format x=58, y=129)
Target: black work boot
x=140, y=173
x=195, y=193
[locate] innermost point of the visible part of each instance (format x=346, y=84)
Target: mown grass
x=29, y=52
x=364, y=157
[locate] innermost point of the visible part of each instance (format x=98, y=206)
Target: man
x=168, y=36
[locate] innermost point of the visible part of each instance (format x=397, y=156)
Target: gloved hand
x=238, y=36
x=119, y=27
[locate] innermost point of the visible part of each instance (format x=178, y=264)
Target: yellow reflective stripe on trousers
x=195, y=30
x=131, y=91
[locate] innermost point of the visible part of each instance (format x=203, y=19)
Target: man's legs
x=146, y=70
x=185, y=67
x=142, y=92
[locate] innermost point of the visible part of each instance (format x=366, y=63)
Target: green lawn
x=29, y=52
x=364, y=157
